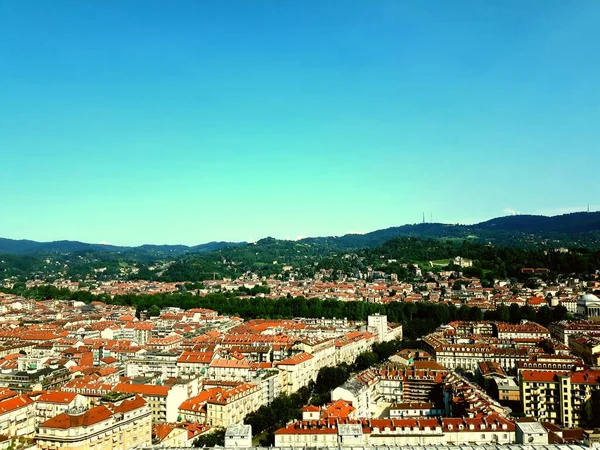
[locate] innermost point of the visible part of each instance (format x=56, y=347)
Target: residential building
x=163, y=401
x=122, y=425
x=563, y=398
x=152, y=363
x=297, y=371
x=491, y=429
x=17, y=416
x=53, y=403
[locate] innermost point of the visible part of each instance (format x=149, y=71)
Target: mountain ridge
x=506, y=230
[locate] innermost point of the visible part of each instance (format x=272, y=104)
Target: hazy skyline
x=135, y=122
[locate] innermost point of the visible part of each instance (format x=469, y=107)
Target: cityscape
x=299, y=225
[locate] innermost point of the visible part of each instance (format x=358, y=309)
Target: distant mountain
x=27, y=247
x=576, y=229
x=581, y=222
x=579, y=229
x=22, y=247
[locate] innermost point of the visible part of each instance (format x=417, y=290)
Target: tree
x=365, y=360
x=154, y=311
x=212, y=439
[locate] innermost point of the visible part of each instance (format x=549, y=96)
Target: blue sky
x=135, y=122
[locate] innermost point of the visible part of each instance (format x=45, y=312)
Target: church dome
x=588, y=300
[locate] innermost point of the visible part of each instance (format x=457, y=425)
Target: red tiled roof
x=13, y=403
x=161, y=431
x=143, y=389
x=129, y=405
x=296, y=359
x=57, y=397
x=90, y=417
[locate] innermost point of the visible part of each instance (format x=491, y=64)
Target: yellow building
x=17, y=415
x=563, y=398
x=220, y=407
x=113, y=426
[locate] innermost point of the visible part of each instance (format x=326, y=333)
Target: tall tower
x=378, y=324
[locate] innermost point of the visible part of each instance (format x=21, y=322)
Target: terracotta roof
x=13, y=403
x=57, y=397
x=196, y=357
x=161, y=431
x=296, y=359
x=143, y=389
x=129, y=405
x=90, y=417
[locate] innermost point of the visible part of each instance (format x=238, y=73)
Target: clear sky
x=135, y=122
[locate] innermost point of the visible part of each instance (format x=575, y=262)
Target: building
x=238, y=436
x=361, y=391
x=17, y=416
x=165, y=435
x=507, y=389
x=528, y=330
x=563, y=329
x=163, y=401
x=227, y=369
x=419, y=409
x=562, y=398
x=552, y=363
x=46, y=379
x=233, y=405
x=467, y=356
x=51, y=404
x=122, y=425
x=221, y=407
x=588, y=307
x=297, y=371
x=152, y=363
x=378, y=325
x=490, y=429
x=531, y=432
x=586, y=347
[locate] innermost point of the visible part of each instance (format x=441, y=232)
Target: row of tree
x=417, y=319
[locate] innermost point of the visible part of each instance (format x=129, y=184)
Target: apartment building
x=421, y=379
x=230, y=369
x=152, y=363
x=562, y=330
x=17, y=416
x=323, y=350
x=360, y=390
x=460, y=328
x=164, y=344
x=468, y=355
x=222, y=406
x=122, y=425
x=528, y=330
x=51, y=404
x=490, y=429
x=297, y=371
x=563, y=398
x=163, y=401
x=231, y=406
x=45, y=379
x=170, y=436
x=553, y=363
x=586, y=347
x=352, y=344
x=418, y=409
x=193, y=364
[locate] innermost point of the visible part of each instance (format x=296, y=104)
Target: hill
x=27, y=247
x=576, y=229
